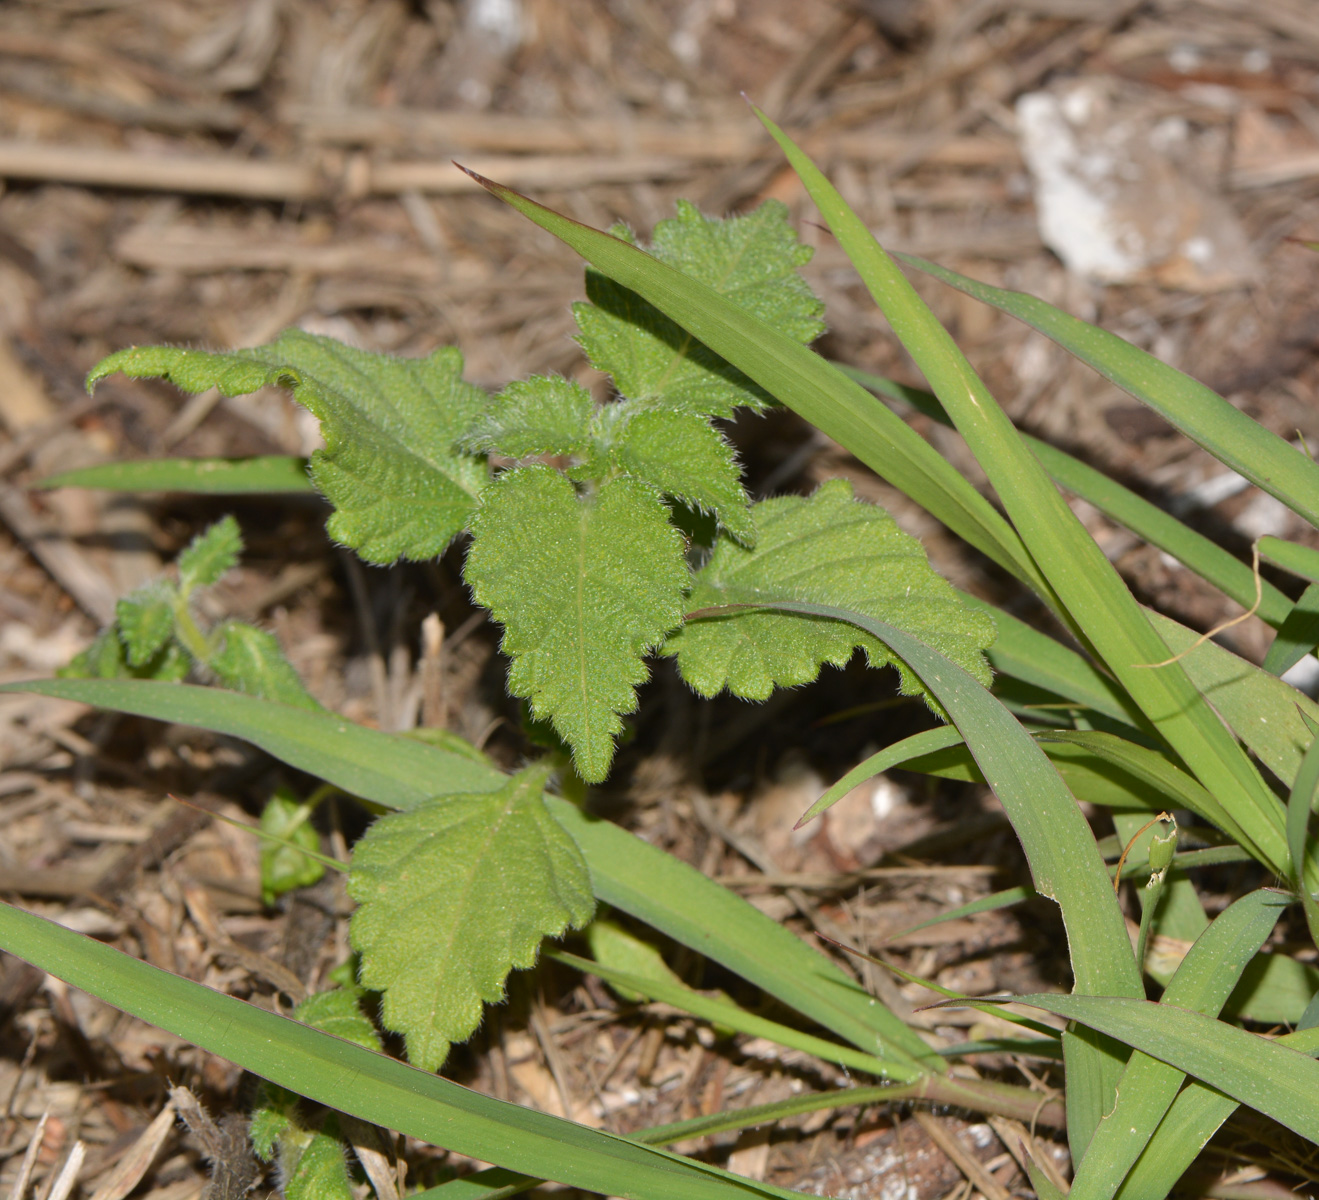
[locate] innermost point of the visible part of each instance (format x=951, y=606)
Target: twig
x=965, y=1162
x=329, y=178
x=65, y=563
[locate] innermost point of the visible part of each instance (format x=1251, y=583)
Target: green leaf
x=312, y=1160
x=584, y=586
x=1201, y=554
x=723, y=1013
x=215, y=476
x=145, y=619
x=1174, y=786
x=786, y=369
x=685, y=457
x=284, y=866
x=321, y=1172
x=105, y=659
x=824, y=548
x=1262, y=710
x=1229, y=434
x=752, y=260
x=209, y=555
x=1298, y=634
x=390, y=769
x=896, y=755
x=339, y=1012
x=1148, y=1087
x=1299, y=560
x=617, y=949
x=1300, y=805
x=250, y=660
x=388, y=467
x=545, y=414
x=453, y=895
x=1264, y=1073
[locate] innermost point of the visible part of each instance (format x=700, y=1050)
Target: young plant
x=622, y=529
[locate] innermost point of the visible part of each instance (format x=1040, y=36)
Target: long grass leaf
x=1199, y=412
x=626, y=872
x=1262, y=710
x=727, y=1014
x=396, y=771
x=1064, y=860
x=1298, y=635
x=1300, y=804
x=678, y=900
x=1102, y=610
x=1265, y=1074
x=896, y=755
x=1025, y=653
x=1178, y=789
x=363, y=1083
x=1194, y=1117
x=1159, y=528
x=1148, y=1086
x=215, y=476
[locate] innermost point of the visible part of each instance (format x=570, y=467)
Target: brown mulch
x=208, y=172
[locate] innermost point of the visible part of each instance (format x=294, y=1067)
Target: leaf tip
x=497, y=189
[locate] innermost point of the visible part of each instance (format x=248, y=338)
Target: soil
x=208, y=173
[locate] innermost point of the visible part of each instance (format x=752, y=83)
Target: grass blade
x=1161, y=529
x=1298, y=635
x=1175, y=786
x=216, y=476
x=626, y=872
x=1100, y=608
x=926, y=742
x=1148, y=1087
x=1264, y=712
x=367, y=1085
x=678, y=900
x=1265, y=1074
x=1199, y=412
x=1299, y=560
x=1035, y=658
x=395, y=771
x=732, y=1016
x=1192, y=1120
x=1299, y=807
x=1064, y=860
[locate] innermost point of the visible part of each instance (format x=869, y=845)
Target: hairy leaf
x=752, y=260
x=321, y=1172
x=339, y=1012
x=250, y=660
x=545, y=414
x=105, y=659
x=209, y=555
x=584, y=586
x=684, y=456
x=828, y=548
x=284, y=866
x=454, y=894
x=398, y=488
x=145, y=619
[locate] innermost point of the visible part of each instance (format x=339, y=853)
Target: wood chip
x=127, y=1173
